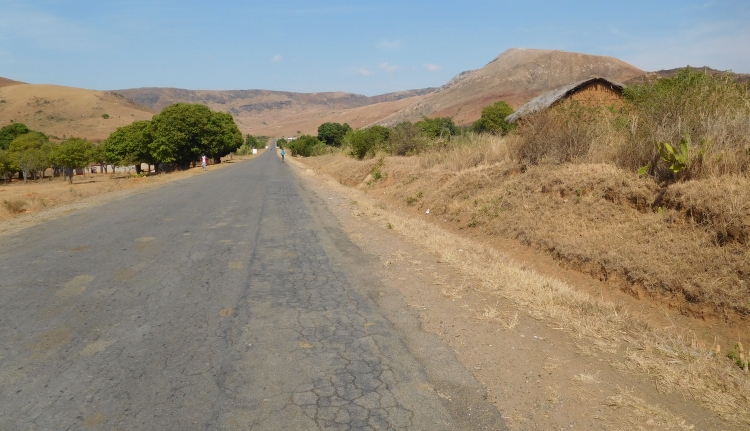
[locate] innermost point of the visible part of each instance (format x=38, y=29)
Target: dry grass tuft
x=647, y=414
x=15, y=206
x=505, y=319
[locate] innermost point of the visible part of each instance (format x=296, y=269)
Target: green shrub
x=105, y=116
x=365, y=142
x=439, y=127
x=333, y=133
x=710, y=111
x=303, y=146
x=493, y=119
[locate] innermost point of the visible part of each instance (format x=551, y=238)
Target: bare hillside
x=516, y=76
x=287, y=122
x=65, y=111
x=277, y=113
x=4, y=82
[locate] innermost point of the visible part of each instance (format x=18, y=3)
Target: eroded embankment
x=476, y=205
x=684, y=245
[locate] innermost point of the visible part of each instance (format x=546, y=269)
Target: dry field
x=684, y=267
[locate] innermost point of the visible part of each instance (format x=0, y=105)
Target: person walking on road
x=282, y=154
x=204, y=161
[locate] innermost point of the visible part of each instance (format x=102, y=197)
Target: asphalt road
x=229, y=300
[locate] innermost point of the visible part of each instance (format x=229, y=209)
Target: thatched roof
x=546, y=100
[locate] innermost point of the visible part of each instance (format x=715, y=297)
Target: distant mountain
x=239, y=101
x=276, y=113
x=516, y=76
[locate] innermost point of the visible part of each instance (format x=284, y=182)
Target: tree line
x=178, y=136
x=405, y=138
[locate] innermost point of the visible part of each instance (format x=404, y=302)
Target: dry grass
x=675, y=363
x=651, y=416
x=15, y=206
x=684, y=244
x=596, y=217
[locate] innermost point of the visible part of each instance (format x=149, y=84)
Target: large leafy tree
x=26, y=151
x=75, y=153
x=333, y=133
x=222, y=136
x=11, y=132
x=493, y=119
x=129, y=145
x=179, y=133
x=8, y=165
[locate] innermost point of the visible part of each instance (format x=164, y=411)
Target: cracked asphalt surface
x=231, y=300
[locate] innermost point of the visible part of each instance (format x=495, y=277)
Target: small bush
x=304, y=145
x=493, y=119
x=105, y=116
x=562, y=134
x=15, y=206
x=407, y=139
x=365, y=142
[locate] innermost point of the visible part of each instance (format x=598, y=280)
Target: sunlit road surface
x=229, y=300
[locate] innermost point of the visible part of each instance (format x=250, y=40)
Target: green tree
x=333, y=133
x=26, y=151
x=75, y=153
x=493, y=119
x=281, y=143
x=364, y=142
x=179, y=133
x=11, y=132
x=304, y=145
x=222, y=136
x=437, y=127
x=129, y=145
x=7, y=165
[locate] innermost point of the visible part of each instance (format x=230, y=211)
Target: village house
x=594, y=91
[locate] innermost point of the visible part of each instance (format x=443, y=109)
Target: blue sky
x=366, y=47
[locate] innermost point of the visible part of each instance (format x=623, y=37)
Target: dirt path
x=539, y=375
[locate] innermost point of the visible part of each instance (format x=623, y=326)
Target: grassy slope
x=65, y=111
x=594, y=218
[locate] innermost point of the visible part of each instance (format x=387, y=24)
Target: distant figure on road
x=282, y=154
x=204, y=160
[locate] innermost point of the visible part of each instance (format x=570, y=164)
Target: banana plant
x=678, y=160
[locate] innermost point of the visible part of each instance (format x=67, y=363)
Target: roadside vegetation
x=252, y=142
x=175, y=138
x=650, y=196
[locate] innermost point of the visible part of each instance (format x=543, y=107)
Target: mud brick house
x=594, y=91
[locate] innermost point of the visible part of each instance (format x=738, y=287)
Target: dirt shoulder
x=45, y=200
x=550, y=356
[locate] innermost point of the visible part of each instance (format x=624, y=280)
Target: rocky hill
x=516, y=76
